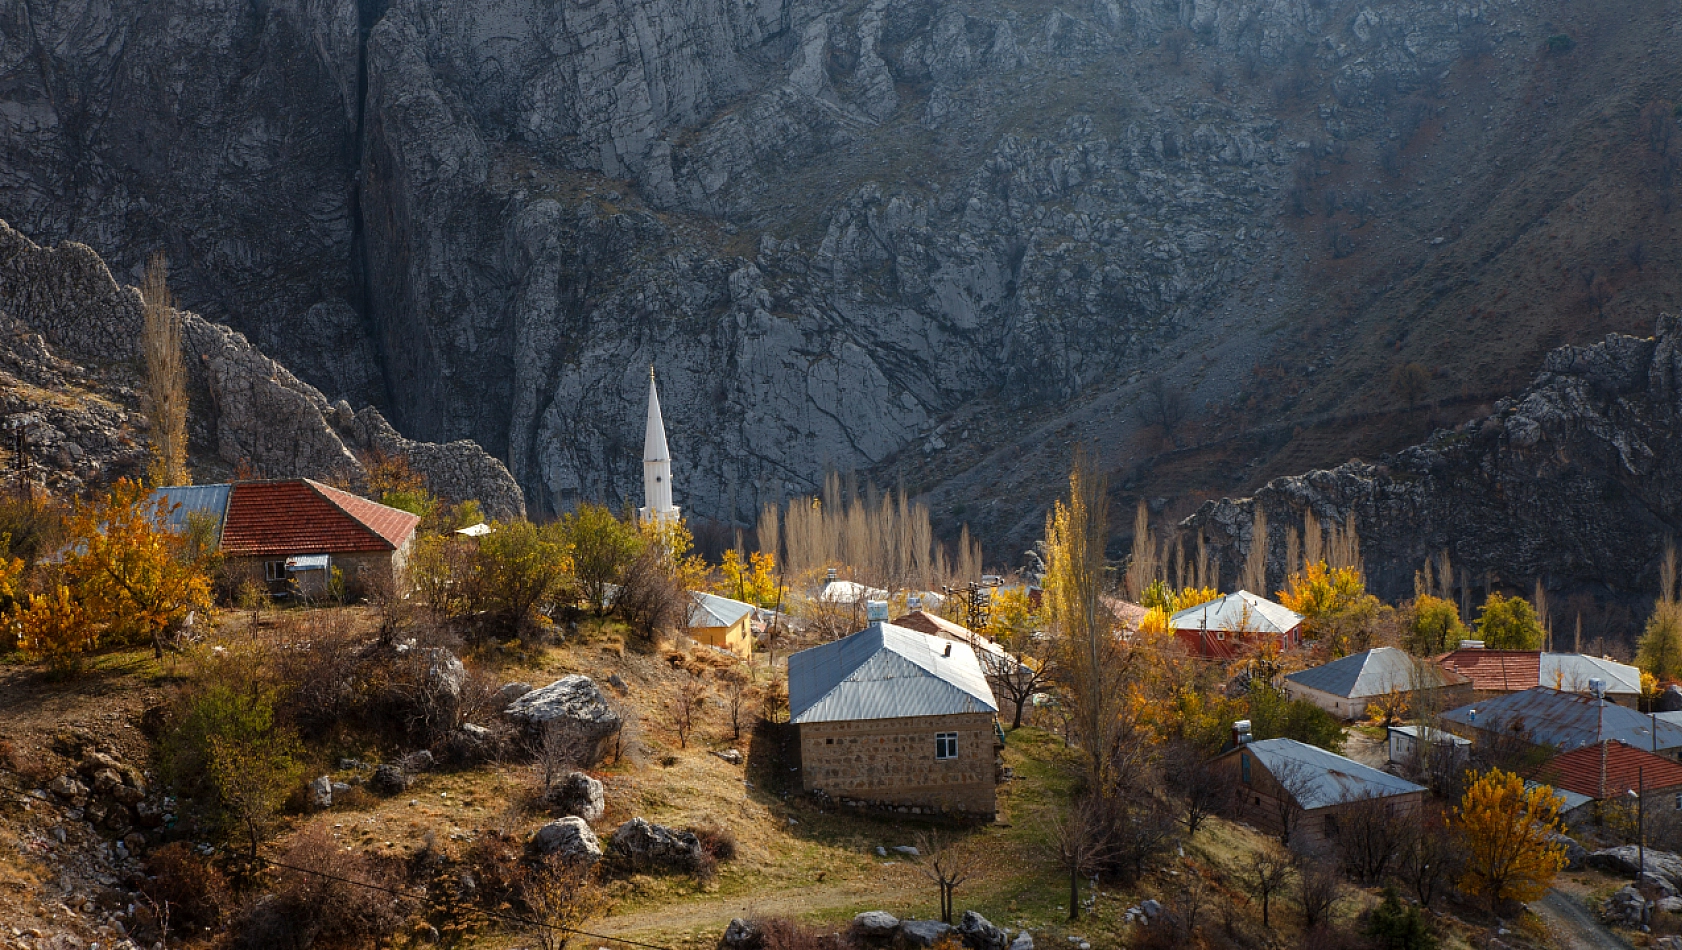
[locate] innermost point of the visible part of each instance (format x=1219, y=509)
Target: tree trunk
x=1074, y=893
x=1016, y=723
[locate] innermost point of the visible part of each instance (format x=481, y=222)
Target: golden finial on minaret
x=651, y=371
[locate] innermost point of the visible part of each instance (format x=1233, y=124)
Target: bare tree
x=1082, y=846
x=1265, y=875
x=738, y=690
x=682, y=705
x=1185, y=905
x=649, y=598
x=1201, y=789
x=1430, y=858
x=1018, y=680
x=166, y=375
x=559, y=897
x=1254, y=577
x=1292, y=781
x=1163, y=406
x=1144, y=566
x=1410, y=382
x=948, y=866
x=1369, y=837
x=1319, y=890
x=559, y=748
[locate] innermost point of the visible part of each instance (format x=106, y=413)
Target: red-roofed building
x=1499, y=672
x=1611, y=770
x=297, y=532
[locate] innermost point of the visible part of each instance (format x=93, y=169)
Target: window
x=946, y=745
x=1679, y=802
x=1244, y=767
x=274, y=570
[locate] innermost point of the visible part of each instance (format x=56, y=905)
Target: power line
x=495, y=915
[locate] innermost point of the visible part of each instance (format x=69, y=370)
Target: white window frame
x=945, y=746
x=275, y=570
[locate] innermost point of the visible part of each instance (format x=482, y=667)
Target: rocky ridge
x=833, y=227
x=70, y=355
x=1576, y=482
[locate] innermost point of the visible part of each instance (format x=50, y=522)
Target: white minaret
x=656, y=464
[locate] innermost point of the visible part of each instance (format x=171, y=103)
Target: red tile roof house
x=1609, y=771
x=298, y=531
x=1499, y=672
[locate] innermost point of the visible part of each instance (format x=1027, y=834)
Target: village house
x=1609, y=771
x=1219, y=628
x=721, y=622
x=1346, y=687
x=1280, y=781
x=937, y=626
x=890, y=716
x=1498, y=672
x=1408, y=746
x=294, y=534
x=1543, y=716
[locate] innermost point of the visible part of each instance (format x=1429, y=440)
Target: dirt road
x=1572, y=927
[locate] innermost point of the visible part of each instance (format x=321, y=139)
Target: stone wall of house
x=893, y=761
x=364, y=572
x=1258, y=804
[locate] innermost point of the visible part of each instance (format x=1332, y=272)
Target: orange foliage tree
x=1507, y=831
x=56, y=631
x=1333, y=602
x=134, y=576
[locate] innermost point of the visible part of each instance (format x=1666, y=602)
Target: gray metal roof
x=211, y=500
x=1572, y=800
x=886, y=672
x=1572, y=672
x=711, y=610
x=1371, y=673
x=1238, y=612
x=1326, y=777
x=1567, y=720
x=1432, y=735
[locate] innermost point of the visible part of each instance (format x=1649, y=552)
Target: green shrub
x=1395, y=925
x=1560, y=44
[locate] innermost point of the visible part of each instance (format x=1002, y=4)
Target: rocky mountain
x=68, y=355
x=933, y=241
x=1577, y=482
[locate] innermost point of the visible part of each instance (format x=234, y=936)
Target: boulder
x=475, y=733
x=570, y=838
x=388, y=780
x=647, y=845
x=577, y=794
x=416, y=761
x=875, y=923
x=445, y=674
x=1656, y=884
x=1623, y=860
x=512, y=691
x=1626, y=908
x=321, y=792
x=1669, y=905
x=742, y=935
x=1023, y=941
x=978, y=933
x=923, y=933
x=733, y=756
x=574, y=703
x=1150, y=908
x=148, y=815
x=66, y=786
x=1575, y=853
x=1670, y=700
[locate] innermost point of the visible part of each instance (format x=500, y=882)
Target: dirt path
x=1571, y=926
x=715, y=914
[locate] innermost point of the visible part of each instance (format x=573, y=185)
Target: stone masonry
x=893, y=761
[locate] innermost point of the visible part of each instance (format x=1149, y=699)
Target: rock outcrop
x=65, y=311
x=575, y=707
x=568, y=837
x=642, y=844
x=1576, y=481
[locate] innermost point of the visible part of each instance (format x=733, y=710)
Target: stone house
x=293, y=534
x=894, y=717
x=1276, y=780
x=1607, y=772
x=1346, y=686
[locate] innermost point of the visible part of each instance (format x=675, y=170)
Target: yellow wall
x=737, y=638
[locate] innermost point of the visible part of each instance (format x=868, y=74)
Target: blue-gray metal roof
x=1567, y=720
x=1319, y=778
x=886, y=672
x=185, y=500
x=1238, y=612
x=711, y=610
x=1371, y=673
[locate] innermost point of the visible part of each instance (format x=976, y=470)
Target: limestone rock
x=1023, y=941
x=579, y=795
x=574, y=703
x=1626, y=908
x=568, y=837
x=923, y=933
x=979, y=933
x=1670, y=700
x=645, y=845
x=388, y=780
x=418, y=761
x=875, y=923
x=1575, y=853
x=321, y=792
x=742, y=935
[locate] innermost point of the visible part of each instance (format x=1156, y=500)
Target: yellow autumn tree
x=1011, y=618
x=1507, y=831
x=56, y=631
x=11, y=598
x=1334, y=604
x=131, y=573
x=753, y=581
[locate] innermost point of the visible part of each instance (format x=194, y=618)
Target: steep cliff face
x=1576, y=482
x=70, y=355
x=843, y=232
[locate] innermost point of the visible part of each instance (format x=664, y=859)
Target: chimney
x=876, y=611
x=1471, y=644
x=1241, y=733
x=948, y=649
x=830, y=574
x=1597, y=688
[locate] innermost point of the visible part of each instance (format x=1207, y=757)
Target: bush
x=187, y=890
x=305, y=908
x=1560, y=44
x=716, y=840
x=1394, y=925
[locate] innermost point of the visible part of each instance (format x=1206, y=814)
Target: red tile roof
x=1496, y=671
x=299, y=516
x=1587, y=772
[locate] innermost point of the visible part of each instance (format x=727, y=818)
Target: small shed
x=1280, y=777
x=1220, y=627
x=721, y=622
x=1346, y=687
x=1407, y=744
x=890, y=716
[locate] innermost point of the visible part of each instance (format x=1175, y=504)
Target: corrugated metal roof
x=1567, y=720
x=886, y=672
x=849, y=592
x=924, y=622
x=1434, y=735
x=1572, y=672
x=1573, y=800
x=1239, y=612
x=1608, y=769
x=711, y=610
x=1326, y=777
x=1373, y=673
x=184, y=500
